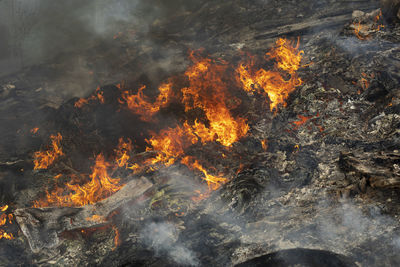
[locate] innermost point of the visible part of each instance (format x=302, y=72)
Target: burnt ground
x=326, y=189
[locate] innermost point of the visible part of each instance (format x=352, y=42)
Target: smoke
x=36, y=31
x=162, y=237
x=347, y=224
x=396, y=242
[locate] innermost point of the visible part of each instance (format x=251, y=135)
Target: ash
x=313, y=182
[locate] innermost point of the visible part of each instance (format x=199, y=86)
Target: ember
x=303, y=120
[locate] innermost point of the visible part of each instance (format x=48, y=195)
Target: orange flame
x=43, y=159
x=4, y=218
x=358, y=27
x=264, y=144
x=98, y=95
x=140, y=104
x=5, y=235
x=288, y=58
x=208, y=91
x=303, y=120
x=213, y=182
x=34, y=130
x=170, y=144
x=117, y=240
x=4, y=208
x=377, y=18
x=122, y=152
x=361, y=31
x=100, y=186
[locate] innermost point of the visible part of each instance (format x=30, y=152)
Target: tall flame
x=170, y=143
x=208, y=90
x=272, y=82
x=207, y=93
x=43, y=159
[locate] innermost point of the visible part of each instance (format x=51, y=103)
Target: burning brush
x=212, y=114
x=365, y=25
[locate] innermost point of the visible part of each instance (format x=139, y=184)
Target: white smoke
x=162, y=238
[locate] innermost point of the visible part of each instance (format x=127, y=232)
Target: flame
x=5, y=235
x=122, y=152
x=98, y=95
x=117, y=239
x=100, y=186
x=43, y=159
x=4, y=208
x=303, y=120
x=365, y=83
x=271, y=82
x=288, y=57
x=264, y=144
x=213, y=182
x=358, y=27
x=377, y=19
x=141, y=105
x=34, y=130
x=208, y=91
x=297, y=148
x=170, y=144
x=4, y=218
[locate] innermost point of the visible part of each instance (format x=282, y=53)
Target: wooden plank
x=41, y=226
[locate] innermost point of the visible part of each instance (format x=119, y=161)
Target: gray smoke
x=162, y=238
x=349, y=222
x=35, y=31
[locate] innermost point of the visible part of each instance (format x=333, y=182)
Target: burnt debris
x=234, y=133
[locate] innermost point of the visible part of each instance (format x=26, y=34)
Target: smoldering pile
x=277, y=171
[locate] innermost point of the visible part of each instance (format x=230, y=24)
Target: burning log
x=42, y=226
